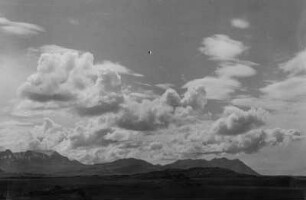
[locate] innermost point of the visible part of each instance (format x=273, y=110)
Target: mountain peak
x=35, y=162
x=50, y=162
x=6, y=154
x=235, y=165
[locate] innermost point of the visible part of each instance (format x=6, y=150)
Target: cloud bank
x=225, y=51
x=117, y=120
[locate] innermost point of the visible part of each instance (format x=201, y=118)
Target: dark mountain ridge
x=234, y=165
x=52, y=163
x=36, y=162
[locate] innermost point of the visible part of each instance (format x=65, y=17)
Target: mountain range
x=52, y=163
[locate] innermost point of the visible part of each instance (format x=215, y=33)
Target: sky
x=158, y=80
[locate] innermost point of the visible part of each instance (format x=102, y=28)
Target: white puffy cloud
x=101, y=140
x=67, y=77
x=253, y=141
x=224, y=50
x=222, y=47
x=235, y=121
x=126, y=121
x=195, y=97
x=171, y=97
x=104, y=96
x=48, y=136
x=219, y=88
x=53, y=80
x=240, y=23
x=145, y=116
x=159, y=113
x=222, y=86
x=236, y=70
x=19, y=28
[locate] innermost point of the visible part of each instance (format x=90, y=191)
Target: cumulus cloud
x=53, y=80
x=195, y=97
x=254, y=141
x=19, y=28
x=104, y=96
x=219, y=88
x=145, y=116
x=48, y=136
x=172, y=98
x=235, y=121
x=169, y=108
x=222, y=86
x=126, y=121
x=100, y=140
x=69, y=78
x=98, y=134
x=240, y=23
x=222, y=47
x=66, y=76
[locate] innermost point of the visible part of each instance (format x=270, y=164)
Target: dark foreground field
x=152, y=186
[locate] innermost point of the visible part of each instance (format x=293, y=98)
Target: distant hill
x=234, y=165
x=190, y=173
x=119, y=167
x=36, y=162
x=52, y=163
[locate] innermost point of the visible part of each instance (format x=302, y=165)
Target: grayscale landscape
x=35, y=175
x=153, y=99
